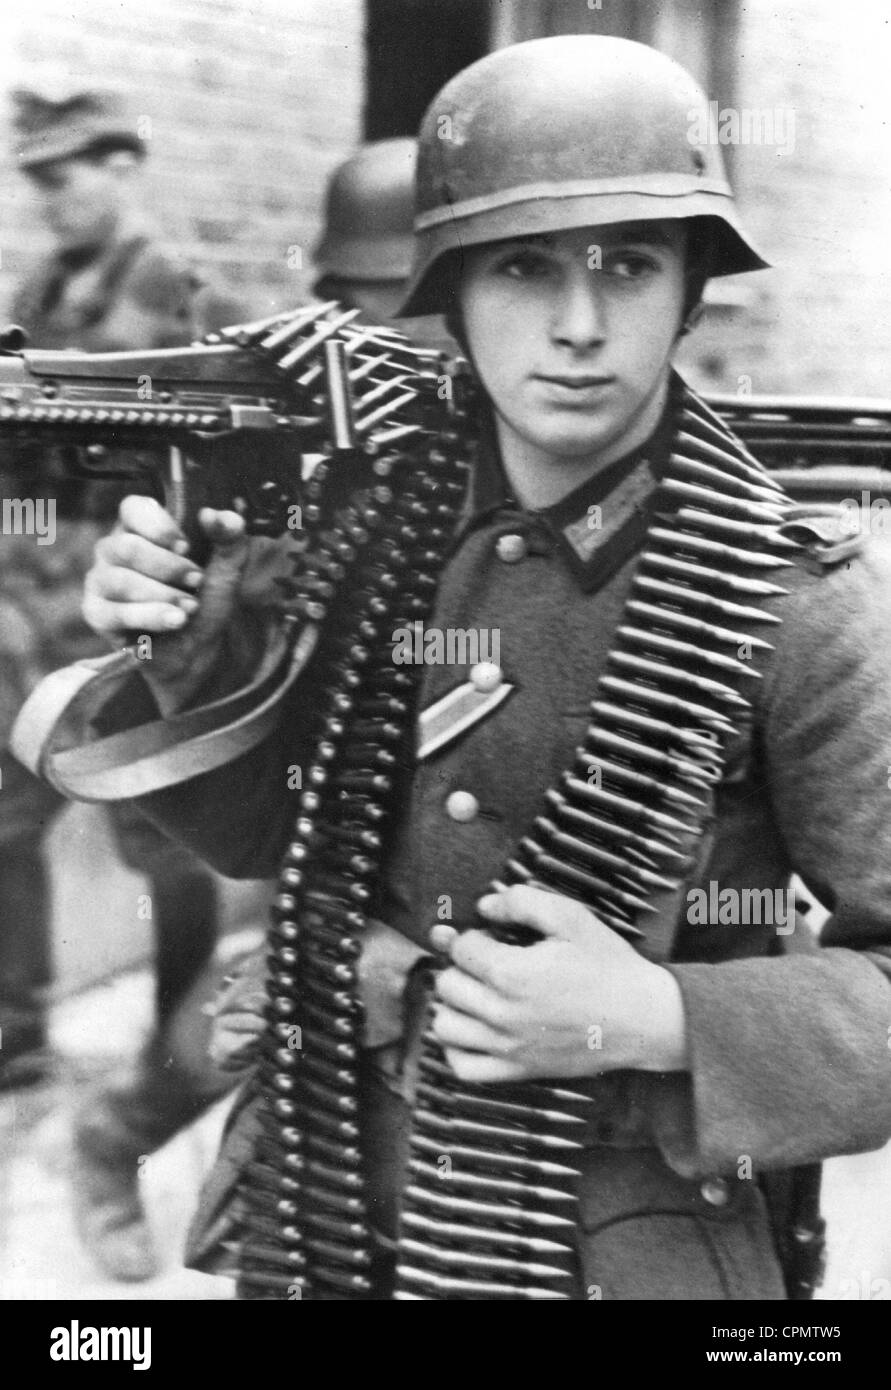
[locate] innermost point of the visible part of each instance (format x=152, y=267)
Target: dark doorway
x=413, y=47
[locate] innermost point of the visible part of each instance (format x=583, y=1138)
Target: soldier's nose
x=579, y=319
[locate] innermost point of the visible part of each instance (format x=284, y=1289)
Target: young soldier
x=623, y=546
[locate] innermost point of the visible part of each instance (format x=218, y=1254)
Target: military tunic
x=788, y=1043
x=135, y=293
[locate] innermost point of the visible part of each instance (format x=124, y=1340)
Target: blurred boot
x=173, y=1081
x=115, y=1131
x=108, y=1209
x=25, y=962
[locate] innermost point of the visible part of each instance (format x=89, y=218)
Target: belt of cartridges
x=504, y=1225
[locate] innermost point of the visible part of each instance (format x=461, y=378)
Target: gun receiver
x=233, y=420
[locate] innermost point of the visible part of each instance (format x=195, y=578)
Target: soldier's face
x=82, y=200
x=572, y=333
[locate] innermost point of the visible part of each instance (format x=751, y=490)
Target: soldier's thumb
x=222, y=574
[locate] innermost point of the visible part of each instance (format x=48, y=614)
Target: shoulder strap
x=158, y=754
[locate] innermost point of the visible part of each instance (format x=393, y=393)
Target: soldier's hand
x=239, y=1015
x=579, y=1002
x=144, y=583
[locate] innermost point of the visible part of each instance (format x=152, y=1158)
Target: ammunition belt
x=368, y=570
x=661, y=716
x=674, y=684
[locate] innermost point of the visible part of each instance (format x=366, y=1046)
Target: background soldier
x=108, y=284
x=363, y=258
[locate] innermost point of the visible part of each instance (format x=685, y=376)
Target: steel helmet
x=573, y=131
x=369, y=211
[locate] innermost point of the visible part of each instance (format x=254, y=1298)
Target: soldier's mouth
x=575, y=390
x=575, y=382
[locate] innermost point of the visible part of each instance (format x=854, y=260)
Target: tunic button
x=462, y=806
x=511, y=548
x=716, y=1192
x=486, y=676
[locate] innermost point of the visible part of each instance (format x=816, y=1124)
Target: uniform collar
x=598, y=525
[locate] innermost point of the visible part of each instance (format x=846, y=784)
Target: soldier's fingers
x=134, y=552
x=480, y=1068
x=442, y=938
x=104, y=616
x=243, y=1023
x=486, y=959
x=454, y=1029
x=147, y=518
x=469, y=996
x=552, y=914
x=125, y=586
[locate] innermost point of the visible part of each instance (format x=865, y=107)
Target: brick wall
x=251, y=104
x=820, y=320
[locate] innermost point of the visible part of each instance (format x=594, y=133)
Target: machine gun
x=235, y=420
x=819, y=450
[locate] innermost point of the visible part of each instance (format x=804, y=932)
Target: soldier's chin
x=574, y=441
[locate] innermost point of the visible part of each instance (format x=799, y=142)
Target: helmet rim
x=732, y=253
x=365, y=258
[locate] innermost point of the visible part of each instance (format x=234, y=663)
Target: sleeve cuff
x=789, y=1062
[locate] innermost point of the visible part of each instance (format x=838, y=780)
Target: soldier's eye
x=630, y=265
x=524, y=264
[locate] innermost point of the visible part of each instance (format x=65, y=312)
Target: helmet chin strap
x=692, y=319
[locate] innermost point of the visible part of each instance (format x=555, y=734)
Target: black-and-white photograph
x=445, y=659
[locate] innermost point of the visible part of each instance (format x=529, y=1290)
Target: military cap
x=60, y=126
